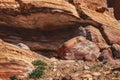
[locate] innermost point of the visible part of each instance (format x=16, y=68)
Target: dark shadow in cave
x=115, y=4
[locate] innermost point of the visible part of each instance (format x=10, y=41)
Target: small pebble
x=54, y=70
x=87, y=72
x=21, y=45
x=96, y=74
x=86, y=67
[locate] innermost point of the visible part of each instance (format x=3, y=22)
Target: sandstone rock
x=96, y=74
x=106, y=55
x=15, y=61
x=86, y=67
x=79, y=48
x=111, y=34
x=111, y=27
x=41, y=14
x=37, y=14
x=101, y=18
x=116, y=50
x=100, y=6
x=111, y=12
x=95, y=36
x=91, y=4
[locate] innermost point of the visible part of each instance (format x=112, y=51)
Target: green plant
x=37, y=73
x=39, y=62
x=14, y=78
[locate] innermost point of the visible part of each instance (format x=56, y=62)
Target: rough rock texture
x=91, y=4
x=99, y=6
x=106, y=55
x=110, y=28
x=16, y=14
x=32, y=14
x=111, y=12
x=101, y=18
x=95, y=36
x=116, y=50
x=111, y=34
x=79, y=48
x=22, y=22
x=15, y=61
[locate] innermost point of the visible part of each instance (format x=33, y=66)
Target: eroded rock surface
x=111, y=34
x=50, y=15
x=15, y=61
x=79, y=48
x=111, y=27
x=116, y=50
x=91, y=4
x=95, y=36
x=101, y=18
x=42, y=14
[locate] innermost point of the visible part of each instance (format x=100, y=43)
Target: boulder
x=79, y=48
x=95, y=36
x=116, y=50
x=106, y=55
x=15, y=61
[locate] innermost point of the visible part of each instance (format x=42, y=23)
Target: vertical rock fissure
x=104, y=35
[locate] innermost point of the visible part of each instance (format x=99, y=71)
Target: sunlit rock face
x=91, y=4
x=15, y=61
x=37, y=14
x=95, y=36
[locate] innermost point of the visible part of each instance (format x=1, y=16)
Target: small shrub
x=14, y=78
x=38, y=62
x=37, y=73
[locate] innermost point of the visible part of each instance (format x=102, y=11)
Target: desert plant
x=37, y=73
x=39, y=62
x=14, y=78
